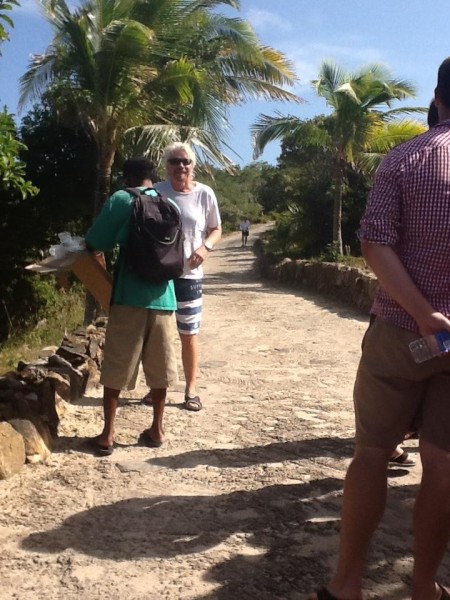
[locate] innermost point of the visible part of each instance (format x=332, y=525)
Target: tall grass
x=60, y=312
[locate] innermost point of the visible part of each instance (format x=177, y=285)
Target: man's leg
x=189, y=358
x=363, y=506
x=110, y=402
x=189, y=315
x=156, y=431
x=431, y=520
x=160, y=368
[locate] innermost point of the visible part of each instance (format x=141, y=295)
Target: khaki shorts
x=392, y=392
x=135, y=335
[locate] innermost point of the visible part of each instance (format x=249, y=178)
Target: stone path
x=243, y=499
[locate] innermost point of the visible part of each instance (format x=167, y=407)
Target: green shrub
x=51, y=312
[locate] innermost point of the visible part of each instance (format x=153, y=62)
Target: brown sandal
x=194, y=404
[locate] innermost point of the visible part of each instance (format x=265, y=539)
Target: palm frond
x=267, y=129
x=151, y=140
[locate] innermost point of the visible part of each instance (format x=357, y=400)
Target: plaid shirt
x=409, y=209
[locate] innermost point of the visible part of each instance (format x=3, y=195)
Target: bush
x=51, y=312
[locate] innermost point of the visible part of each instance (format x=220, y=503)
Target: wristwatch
x=208, y=246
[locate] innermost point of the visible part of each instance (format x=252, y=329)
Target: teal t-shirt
x=111, y=229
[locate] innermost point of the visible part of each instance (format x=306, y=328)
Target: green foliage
x=330, y=254
x=12, y=169
x=284, y=240
x=58, y=161
x=361, y=108
x=237, y=194
x=61, y=161
x=51, y=312
x=6, y=6
x=303, y=187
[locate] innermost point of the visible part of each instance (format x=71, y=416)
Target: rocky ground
x=243, y=499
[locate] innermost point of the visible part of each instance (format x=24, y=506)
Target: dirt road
x=243, y=499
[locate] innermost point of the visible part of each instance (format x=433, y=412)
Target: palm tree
x=382, y=138
x=152, y=71
x=358, y=102
x=5, y=20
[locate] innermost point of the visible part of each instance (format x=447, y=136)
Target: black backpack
x=154, y=250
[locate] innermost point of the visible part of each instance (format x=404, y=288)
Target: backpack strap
x=136, y=192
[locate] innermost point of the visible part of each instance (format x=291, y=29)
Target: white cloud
x=307, y=58
x=263, y=21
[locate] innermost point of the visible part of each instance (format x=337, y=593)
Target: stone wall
x=348, y=284
x=33, y=398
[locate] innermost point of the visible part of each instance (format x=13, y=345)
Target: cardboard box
x=94, y=277
x=85, y=267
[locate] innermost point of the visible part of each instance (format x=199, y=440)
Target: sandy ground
x=243, y=499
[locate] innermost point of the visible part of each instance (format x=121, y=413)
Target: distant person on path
x=405, y=235
x=245, y=230
x=202, y=230
x=141, y=324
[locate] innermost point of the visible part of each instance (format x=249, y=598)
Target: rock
x=75, y=378
x=75, y=356
x=61, y=384
x=37, y=439
x=101, y=322
x=58, y=361
x=12, y=451
x=32, y=373
x=91, y=374
x=52, y=406
x=48, y=351
x=11, y=381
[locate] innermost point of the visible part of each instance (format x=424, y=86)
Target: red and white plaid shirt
x=409, y=209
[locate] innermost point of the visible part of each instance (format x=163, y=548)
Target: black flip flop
x=324, y=594
x=145, y=439
x=100, y=449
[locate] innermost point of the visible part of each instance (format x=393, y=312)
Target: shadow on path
x=245, y=457
x=280, y=537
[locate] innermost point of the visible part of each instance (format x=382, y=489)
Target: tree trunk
x=106, y=155
x=103, y=184
x=337, y=210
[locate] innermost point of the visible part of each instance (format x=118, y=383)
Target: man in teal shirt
x=141, y=327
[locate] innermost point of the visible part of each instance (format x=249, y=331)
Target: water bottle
x=430, y=346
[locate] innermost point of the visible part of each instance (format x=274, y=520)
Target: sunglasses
x=179, y=161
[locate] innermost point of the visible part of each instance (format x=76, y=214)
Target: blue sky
x=408, y=36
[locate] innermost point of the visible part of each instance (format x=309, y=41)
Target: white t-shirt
x=199, y=212
x=245, y=225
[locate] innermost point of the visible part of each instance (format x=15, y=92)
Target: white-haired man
x=202, y=230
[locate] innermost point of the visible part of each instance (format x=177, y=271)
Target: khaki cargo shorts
x=139, y=335
x=392, y=392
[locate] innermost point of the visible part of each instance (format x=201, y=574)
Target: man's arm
x=199, y=255
x=395, y=280
x=213, y=235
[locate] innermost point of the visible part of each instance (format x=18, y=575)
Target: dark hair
x=432, y=116
x=139, y=168
x=443, y=83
